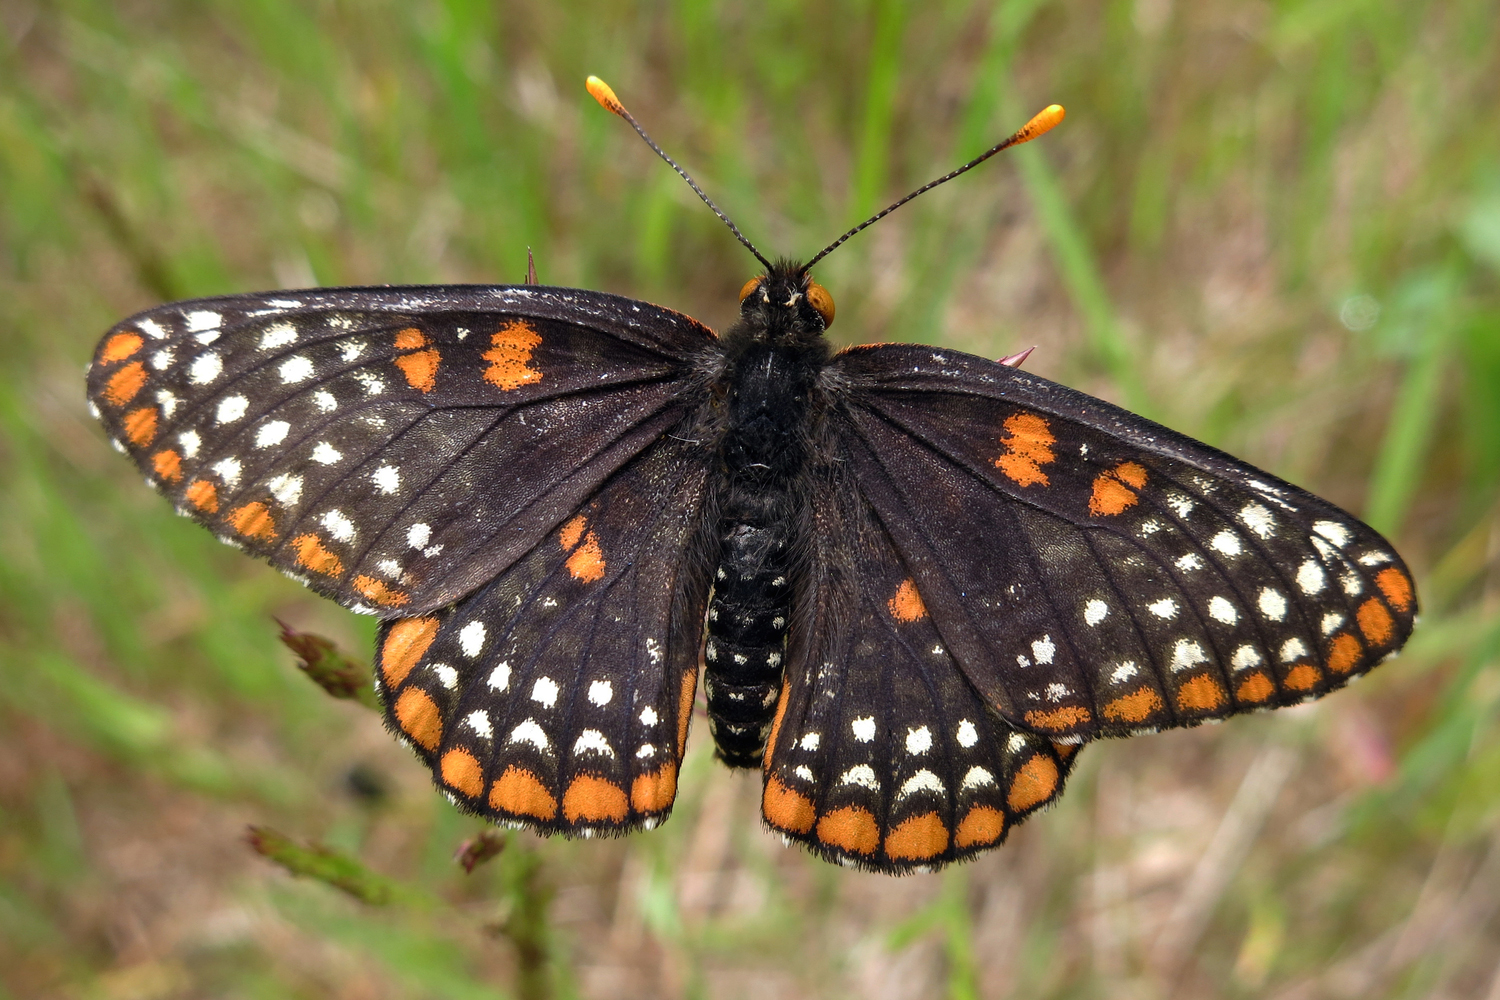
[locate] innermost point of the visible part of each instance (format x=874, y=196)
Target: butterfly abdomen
x=762, y=453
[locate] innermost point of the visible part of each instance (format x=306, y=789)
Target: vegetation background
x=1273, y=224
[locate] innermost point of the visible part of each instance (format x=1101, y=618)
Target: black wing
x=882, y=753
x=392, y=448
x=1094, y=573
x=558, y=695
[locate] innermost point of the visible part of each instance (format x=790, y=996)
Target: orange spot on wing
x=312, y=555
x=140, y=426
x=918, y=838
x=1375, y=622
x=404, y=646
x=168, y=465
x=587, y=563
x=1057, y=720
x=685, y=706
x=380, y=592
x=509, y=353
x=1034, y=783
x=785, y=809
x=1201, y=694
x=420, y=368
x=786, y=691
x=980, y=827
x=907, y=605
x=125, y=383
x=1112, y=490
x=410, y=339
x=572, y=532
x=1303, y=677
x=522, y=793
x=253, y=520
x=1137, y=706
x=651, y=793
x=1065, y=751
x=851, y=829
x=119, y=347
x=1255, y=689
x=418, y=716
x=462, y=771
x=1396, y=587
x=1344, y=653
x=203, y=494
x=1028, y=447
x=592, y=800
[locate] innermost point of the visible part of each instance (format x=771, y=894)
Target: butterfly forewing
x=393, y=448
x=882, y=753
x=1095, y=573
x=558, y=695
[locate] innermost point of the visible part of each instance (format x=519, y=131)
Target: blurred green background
x=1273, y=224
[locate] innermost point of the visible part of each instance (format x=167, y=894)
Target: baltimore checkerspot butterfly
x=916, y=581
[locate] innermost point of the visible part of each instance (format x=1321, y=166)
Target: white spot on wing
x=205, y=368
x=499, y=677
x=600, y=692
x=648, y=716
x=1258, y=519
x=978, y=777
x=231, y=408
x=151, y=328
x=190, y=442
x=862, y=775
x=1311, y=578
x=471, y=639
x=1331, y=621
x=1124, y=672
x=338, y=525
x=1227, y=543
x=446, y=675
x=1334, y=532
x=923, y=781
x=967, y=735
x=286, y=488
x=479, y=721
x=1095, y=611
x=544, y=691
x=1189, y=562
x=809, y=741
x=1043, y=649
x=278, y=335
x=373, y=383
x=1164, y=608
x=1291, y=649
x=1220, y=610
x=271, y=433
x=387, y=479
x=295, y=369
x=1272, y=604
x=863, y=728
x=919, y=740
x=530, y=732
x=324, y=401
x=593, y=741
x=418, y=535
x=200, y=320
x=326, y=454
x=229, y=470
x=351, y=350
x=1187, y=654
x=1245, y=657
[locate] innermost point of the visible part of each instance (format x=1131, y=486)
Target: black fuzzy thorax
x=769, y=407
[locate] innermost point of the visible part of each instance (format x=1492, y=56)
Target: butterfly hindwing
x=558, y=695
x=391, y=447
x=882, y=754
x=1097, y=574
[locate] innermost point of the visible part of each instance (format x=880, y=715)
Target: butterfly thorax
x=772, y=360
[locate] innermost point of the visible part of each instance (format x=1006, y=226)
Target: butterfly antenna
x=602, y=93
x=1041, y=123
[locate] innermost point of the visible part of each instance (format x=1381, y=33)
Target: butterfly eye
x=749, y=287
x=819, y=299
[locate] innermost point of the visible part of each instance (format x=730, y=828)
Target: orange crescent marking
x=651, y=793
x=312, y=555
x=907, y=605
x=1034, y=783
x=1344, y=653
x=253, y=520
x=851, y=829
x=125, y=383
x=462, y=771
x=980, y=827
x=1303, y=677
x=1028, y=447
x=1396, y=587
x=785, y=809
x=509, y=354
x=168, y=465
x=1138, y=706
x=380, y=592
x=1375, y=622
x=592, y=799
x=420, y=369
x=418, y=715
x=587, y=564
x=119, y=347
x=1201, y=694
x=1059, y=720
x=685, y=694
x=405, y=645
x=1255, y=689
x=918, y=838
x=410, y=339
x=140, y=426
x=521, y=793
x=204, y=495
x=786, y=690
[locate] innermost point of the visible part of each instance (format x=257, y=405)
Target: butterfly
x=915, y=581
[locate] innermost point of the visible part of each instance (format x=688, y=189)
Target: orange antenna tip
x=1041, y=123
x=605, y=95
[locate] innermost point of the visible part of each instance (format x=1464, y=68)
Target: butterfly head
x=786, y=303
